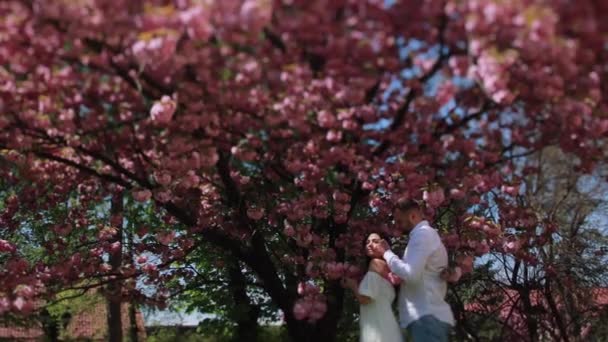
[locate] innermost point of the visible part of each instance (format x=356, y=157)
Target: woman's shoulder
x=378, y=266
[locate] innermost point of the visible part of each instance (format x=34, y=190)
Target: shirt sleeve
x=419, y=248
x=369, y=285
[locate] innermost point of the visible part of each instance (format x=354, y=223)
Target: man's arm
x=419, y=248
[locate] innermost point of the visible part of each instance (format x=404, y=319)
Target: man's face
x=403, y=218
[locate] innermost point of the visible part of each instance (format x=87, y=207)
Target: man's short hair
x=406, y=206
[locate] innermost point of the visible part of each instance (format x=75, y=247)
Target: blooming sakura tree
x=282, y=132
x=552, y=290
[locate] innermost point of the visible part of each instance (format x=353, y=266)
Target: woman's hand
x=451, y=274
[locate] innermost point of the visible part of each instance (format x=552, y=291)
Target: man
x=423, y=311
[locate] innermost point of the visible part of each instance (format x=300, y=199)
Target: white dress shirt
x=422, y=291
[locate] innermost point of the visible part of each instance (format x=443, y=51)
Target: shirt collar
x=421, y=224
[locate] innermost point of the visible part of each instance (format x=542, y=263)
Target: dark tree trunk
x=245, y=313
x=133, y=323
x=328, y=326
x=133, y=330
x=258, y=258
x=114, y=318
x=50, y=326
x=531, y=322
x=557, y=315
x=323, y=330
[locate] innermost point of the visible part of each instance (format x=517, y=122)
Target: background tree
x=282, y=132
x=557, y=291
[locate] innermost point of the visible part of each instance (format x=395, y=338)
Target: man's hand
x=381, y=247
x=451, y=274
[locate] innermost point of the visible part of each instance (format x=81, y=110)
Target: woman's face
x=372, y=241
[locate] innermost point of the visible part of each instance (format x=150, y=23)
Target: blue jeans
x=427, y=329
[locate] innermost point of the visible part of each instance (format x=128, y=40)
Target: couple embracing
x=424, y=315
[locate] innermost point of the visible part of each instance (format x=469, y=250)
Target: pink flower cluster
x=312, y=306
x=433, y=197
x=337, y=270
x=162, y=111
x=6, y=247
x=21, y=301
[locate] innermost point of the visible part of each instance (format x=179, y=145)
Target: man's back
x=423, y=312
x=424, y=294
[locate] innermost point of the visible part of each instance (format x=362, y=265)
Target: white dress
x=377, y=320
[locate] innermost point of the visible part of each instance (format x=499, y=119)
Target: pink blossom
x=326, y=119
x=150, y=268
x=107, y=233
x=466, y=263
x=510, y=190
x=302, y=309
x=256, y=13
x=352, y=271
x=105, y=267
x=5, y=304
x=23, y=305
x=333, y=136
x=305, y=289
x=155, y=50
x=318, y=310
x=304, y=239
x=197, y=21
x=289, y=231
x=115, y=247
x=425, y=64
x=459, y=65
x=163, y=196
x=255, y=213
x=25, y=291
x=503, y=96
x=434, y=197
x=445, y=93
x=165, y=237
x=191, y=180
x=334, y=270
x=368, y=186
x=142, y=195
x=451, y=241
x=6, y=247
x=163, y=178
x=511, y=246
x=457, y=194
x=162, y=111
x=482, y=248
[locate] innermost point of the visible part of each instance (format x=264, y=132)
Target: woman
x=376, y=293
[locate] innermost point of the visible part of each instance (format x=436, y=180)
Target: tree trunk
x=258, y=259
x=50, y=326
x=531, y=322
x=114, y=318
x=245, y=313
x=328, y=326
x=133, y=330
x=557, y=315
x=133, y=336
